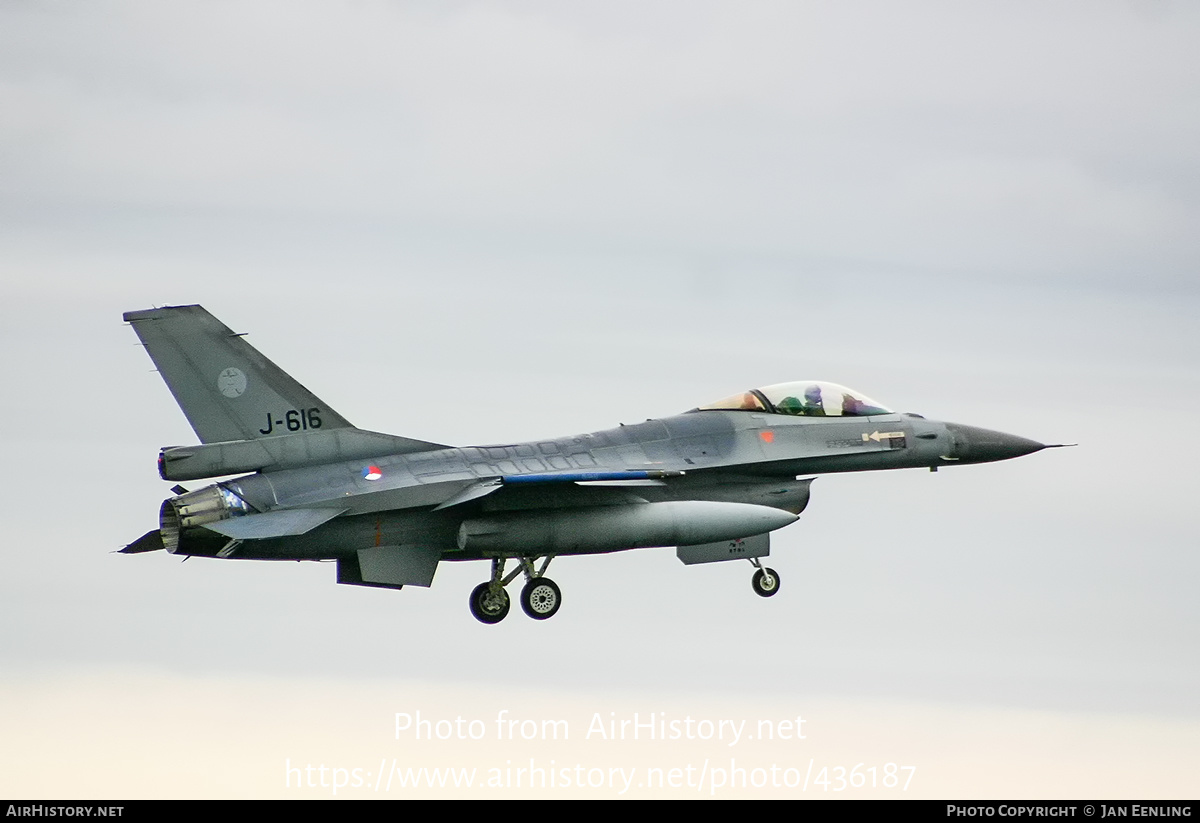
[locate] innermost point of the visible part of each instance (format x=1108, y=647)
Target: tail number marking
x=294, y=420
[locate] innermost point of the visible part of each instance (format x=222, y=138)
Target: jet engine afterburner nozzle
x=194, y=509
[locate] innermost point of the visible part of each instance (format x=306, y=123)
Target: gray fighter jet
x=713, y=481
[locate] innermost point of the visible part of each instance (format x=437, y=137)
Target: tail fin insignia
x=225, y=387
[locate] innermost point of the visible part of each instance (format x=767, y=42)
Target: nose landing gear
x=765, y=581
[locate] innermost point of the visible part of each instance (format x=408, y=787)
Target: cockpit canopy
x=810, y=398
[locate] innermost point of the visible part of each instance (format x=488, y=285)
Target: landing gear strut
x=765, y=581
x=540, y=598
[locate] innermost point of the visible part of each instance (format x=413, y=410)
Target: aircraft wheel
x=488, y=607
x=765, y=582
x=541, y=598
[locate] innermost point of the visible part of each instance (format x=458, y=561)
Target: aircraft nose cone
x=975, y=445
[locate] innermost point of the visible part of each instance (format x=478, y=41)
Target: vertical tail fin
x=225, y=387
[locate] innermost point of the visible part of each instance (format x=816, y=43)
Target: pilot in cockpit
x=802, y=399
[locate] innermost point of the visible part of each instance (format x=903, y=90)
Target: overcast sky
x=489, y=222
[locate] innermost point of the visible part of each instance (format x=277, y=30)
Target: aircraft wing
x=621, y=479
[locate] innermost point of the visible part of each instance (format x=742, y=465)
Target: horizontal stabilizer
x=148, y=542
x=285, y=523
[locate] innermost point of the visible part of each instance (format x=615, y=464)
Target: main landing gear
x=540, y=597
x=765, y=581
x=487, y=605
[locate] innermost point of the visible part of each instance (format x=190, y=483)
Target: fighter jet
x=713, y=482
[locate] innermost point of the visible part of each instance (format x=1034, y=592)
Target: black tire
x=486, y=607
x=765, y=582
x=541, y=598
